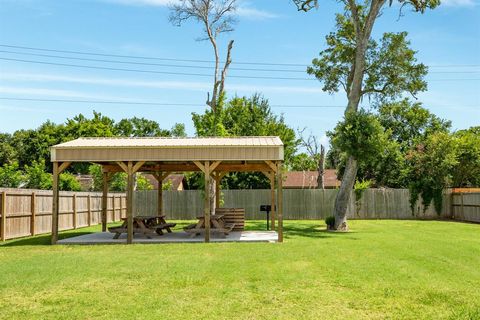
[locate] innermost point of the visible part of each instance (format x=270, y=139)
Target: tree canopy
x=242, y=116
x=391, y=67
x=25, y=154
x=411, y=148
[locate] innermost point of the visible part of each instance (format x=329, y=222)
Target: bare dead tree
x=317, y=152
x=217, y=17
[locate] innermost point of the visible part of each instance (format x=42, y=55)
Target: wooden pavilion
x=214, y=156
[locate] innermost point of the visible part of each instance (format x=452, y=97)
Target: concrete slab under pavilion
x=174, y=237
x=213, y=156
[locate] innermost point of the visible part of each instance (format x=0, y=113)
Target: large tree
x=363, y=67
x=467, y=171
x=410, y=122
x=140, y=127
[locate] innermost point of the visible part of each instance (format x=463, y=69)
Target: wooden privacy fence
x=298, y=204
x=29, y=212
x=465, y=206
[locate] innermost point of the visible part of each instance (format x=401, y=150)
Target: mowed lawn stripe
x=382, y=269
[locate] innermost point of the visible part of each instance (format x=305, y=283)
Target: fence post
x=452, y=206
x=3, y=224
x=33, y=210
x=89, y=210
x=461, y=202
x=74, y=206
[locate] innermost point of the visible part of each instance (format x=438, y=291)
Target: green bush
x=10, y=176
x=330, y=221
x=68, y=182
x=360, y=135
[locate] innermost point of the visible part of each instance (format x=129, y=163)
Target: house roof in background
x=175, y=179
x=308, y=179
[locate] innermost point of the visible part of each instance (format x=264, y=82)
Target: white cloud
x=158, y=3
x=192, y=86
x=16, y=108
x=179, y=85
x=24, y=92
x=38, y=91
x=256, y=14
x=459, y=3
x=244, y=9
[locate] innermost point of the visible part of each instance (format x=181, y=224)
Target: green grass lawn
x=382, y=269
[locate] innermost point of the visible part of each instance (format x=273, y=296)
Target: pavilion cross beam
x=207, y=167
x=272, y=165
x=129, y=167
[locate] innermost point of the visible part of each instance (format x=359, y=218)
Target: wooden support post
x=207, y=201
x=218, y=180
x=130, y=184
x=3, y=223
x=160, y=198
x=74, y=206
x=33, y=212
x=113, y=208
x=160, y=176
x=217, y=193
x=104, y=201
x=55, y=203
x=280, y=202
x=89, y=210
x=272, y=200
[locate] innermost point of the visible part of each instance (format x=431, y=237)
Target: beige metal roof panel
x=169, y=149
x=169, y=142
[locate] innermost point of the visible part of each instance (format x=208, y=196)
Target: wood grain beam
x=137, y=166
x=123, y=167
x=214, y=165
x=193, y=167
x=63, y=166
x=272, y=165
x=200, y=165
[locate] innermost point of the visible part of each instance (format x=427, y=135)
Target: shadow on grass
x=315, y=232
x=297, y=229
x=42, y=240
x=292, y=230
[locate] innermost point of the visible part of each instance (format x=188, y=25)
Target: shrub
x=10, y=176
x=68, y=182
x=360, y=135
x=330, y=222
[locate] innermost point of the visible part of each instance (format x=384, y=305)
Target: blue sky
x=268, y=31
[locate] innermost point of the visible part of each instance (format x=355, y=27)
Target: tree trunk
x=355, y=93
x=321, y=169
x=343, y=196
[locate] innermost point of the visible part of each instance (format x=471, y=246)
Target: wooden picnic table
x=217, y=224
x=146, y=225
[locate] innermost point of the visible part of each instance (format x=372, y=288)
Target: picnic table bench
x=146, y=225
x=217, y=225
